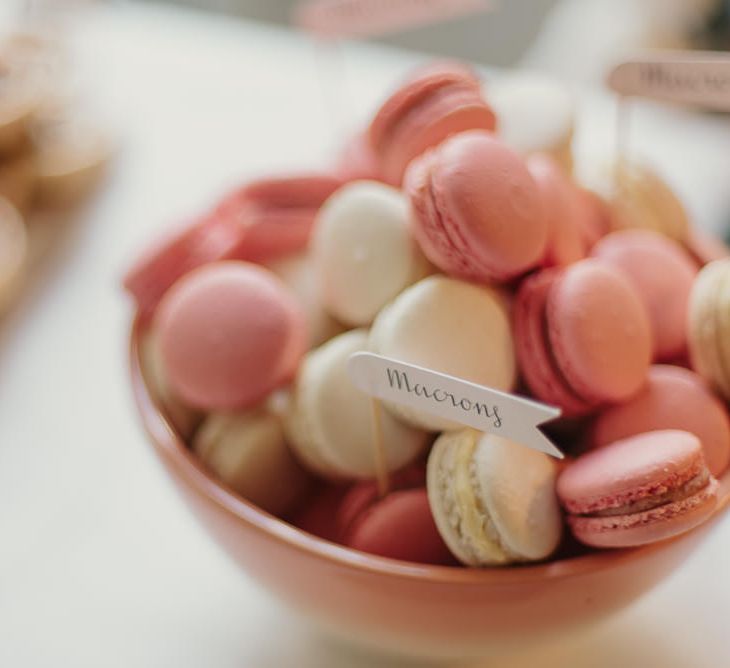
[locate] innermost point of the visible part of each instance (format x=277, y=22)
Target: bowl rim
x=170, y=446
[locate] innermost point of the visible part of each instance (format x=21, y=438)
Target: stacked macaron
x=455, y=239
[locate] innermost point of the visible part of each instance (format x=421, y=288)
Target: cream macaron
x=535, y=114
x=13, y=253
x=363, y=251
x=298, y=273
x=248, y=452
x=493, y=500
x=637, y=196
x=183, y=417
x=451, y=326
x=329, y=422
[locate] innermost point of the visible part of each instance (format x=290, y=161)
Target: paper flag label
x=349, y=18
x=693, y=78
x=454, y=399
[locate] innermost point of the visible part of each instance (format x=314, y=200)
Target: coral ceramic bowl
x=409, y=608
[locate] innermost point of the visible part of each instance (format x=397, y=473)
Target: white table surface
x=100, y=564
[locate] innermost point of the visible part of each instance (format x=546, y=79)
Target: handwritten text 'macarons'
x=399, y=379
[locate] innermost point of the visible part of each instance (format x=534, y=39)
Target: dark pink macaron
x=278, y=213
x=672, y=398
x=436, y=102
x=477, y=212
x=582, y=336
x=638, y=490
x=398, y=526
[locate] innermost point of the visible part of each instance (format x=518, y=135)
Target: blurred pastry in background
x=13, y=252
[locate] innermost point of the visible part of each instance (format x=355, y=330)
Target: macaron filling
x=675, y=487
x=675, y=495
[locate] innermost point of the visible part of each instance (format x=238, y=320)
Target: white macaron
x=363, y=251
x=330, y=422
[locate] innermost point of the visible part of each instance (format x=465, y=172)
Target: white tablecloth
x=100, y=564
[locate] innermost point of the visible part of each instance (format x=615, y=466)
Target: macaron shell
x=464, y=525
x=635, y=468
x=249, y=454
x=704, y=247
x=298, y=273
x=722, y=315
x=449, y=326
x=330, y=424
x=562, y=208
x=704, y=330
x=184, y=418
x=205, y=240
x=446, y=112
x=537, y=364
x=643, y=199
x=517, y=487
x=673, y=398
x=662, y=275
x=400, y=526
x=363, y=252
x=229, y=333
x=649, y=526
x=277, y=213
x=599, y=331
x=489, y=207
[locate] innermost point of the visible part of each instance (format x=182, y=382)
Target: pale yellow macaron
x=13, y=253
x=535, y=114
x=451, y=326
x=248, y=452
x=709, y=325
x=493, y=500
x=184, y=418
x=330, y=422
x=638, y=196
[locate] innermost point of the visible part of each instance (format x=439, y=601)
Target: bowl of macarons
x=451, y=235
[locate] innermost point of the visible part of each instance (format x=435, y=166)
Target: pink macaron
x=207, y=239
x=229, y=333
x=673, y=398
x=477, y=212
x=563, y=208
x=638, y=490
x=582, y=336
x=357, y=161
x=436, y=102
x=662, y=274
x=278, y=213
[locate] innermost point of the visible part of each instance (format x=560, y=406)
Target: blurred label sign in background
x=693, y=78
x=360, y=18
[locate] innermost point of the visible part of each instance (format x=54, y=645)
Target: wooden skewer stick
x=381, y=469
